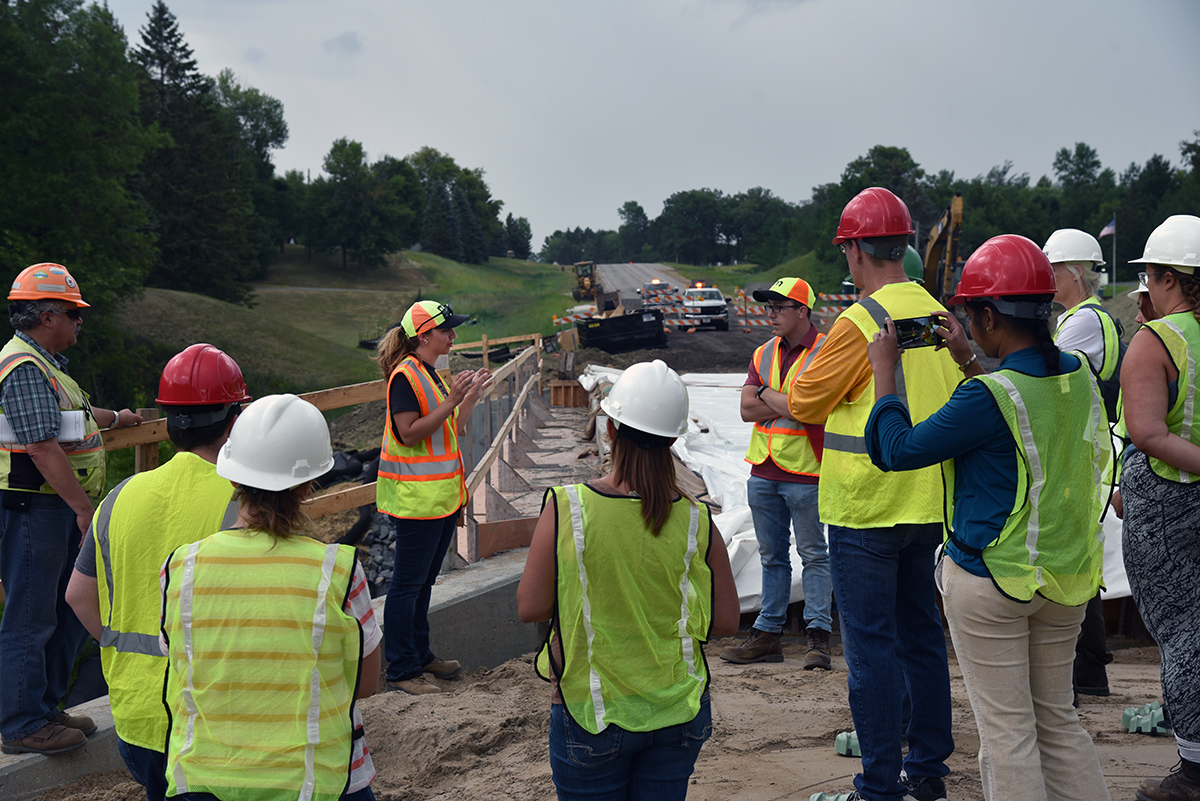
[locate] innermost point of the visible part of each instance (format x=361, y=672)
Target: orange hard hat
x=47, y=281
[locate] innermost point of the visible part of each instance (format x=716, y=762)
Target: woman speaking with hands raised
x=421, y=485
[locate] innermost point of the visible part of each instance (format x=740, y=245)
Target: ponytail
x=391, y=350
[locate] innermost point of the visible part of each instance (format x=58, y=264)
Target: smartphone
x=917, y=332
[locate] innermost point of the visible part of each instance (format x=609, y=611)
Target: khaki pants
x=1016, y=659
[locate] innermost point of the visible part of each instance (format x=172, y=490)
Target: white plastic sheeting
x=715, y=448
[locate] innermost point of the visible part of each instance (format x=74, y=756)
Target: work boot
x=418, y=686
x=443, y=668
x=80, y=722
x=1182, y=785
x=818, y=650
x=926, y=788
x=760, y=646
x=49, y=740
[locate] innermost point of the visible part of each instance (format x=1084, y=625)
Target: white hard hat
x=650, y=397
x=1175, y=243
x=1071, y=244
x=279, y=442
x=1140, y=289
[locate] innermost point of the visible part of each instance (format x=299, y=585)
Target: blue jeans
x=148, y=768
x=892, y=636
x=40, y=637
x=420, y=548
x=778, y=508
x=616, y=765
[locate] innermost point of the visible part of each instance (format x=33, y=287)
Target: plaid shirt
x=28, y=398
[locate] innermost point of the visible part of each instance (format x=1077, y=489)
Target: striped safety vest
x=262, y=668
x=854, y=492
x=783, y=439
x=423, y=481
x=136, y=528
x=632, y=612
x=17, y=470
x=1180, y=333
x=1052, y=543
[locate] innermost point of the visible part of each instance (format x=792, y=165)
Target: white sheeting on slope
x=715, y=447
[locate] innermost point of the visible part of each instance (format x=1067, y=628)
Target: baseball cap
x=426, y=315
x=796, y=289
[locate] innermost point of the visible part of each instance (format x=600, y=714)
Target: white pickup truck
x=706, y=306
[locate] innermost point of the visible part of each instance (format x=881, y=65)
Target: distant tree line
x=705, y=226
x=134, y=169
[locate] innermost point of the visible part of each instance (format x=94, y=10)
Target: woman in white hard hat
x=634, y=577
x=269, y=635
x=421, y=483
x=1159, y=381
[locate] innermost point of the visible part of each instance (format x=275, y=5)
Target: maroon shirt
x=769, y=470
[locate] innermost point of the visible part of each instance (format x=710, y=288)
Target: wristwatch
x=759, y=393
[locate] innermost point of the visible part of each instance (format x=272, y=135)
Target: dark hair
x=1190, y=285
x=1038, y=329
x=649, y=471
x=25, y=315
x=277, y=512
x=392, y=348
x=186, y=435
x=883, y=244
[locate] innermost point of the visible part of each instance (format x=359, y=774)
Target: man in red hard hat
x=115, y=585
x=51, y=473
x=883, y=527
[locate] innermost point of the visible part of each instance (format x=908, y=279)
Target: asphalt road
x=628, y=277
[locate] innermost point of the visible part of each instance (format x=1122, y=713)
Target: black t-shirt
x=403, y=398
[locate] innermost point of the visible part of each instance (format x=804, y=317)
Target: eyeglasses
x=774, y=309
x=74, y=314
x=842, y=247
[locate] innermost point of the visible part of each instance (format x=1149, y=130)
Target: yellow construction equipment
x=941, y=252
x=587, y=283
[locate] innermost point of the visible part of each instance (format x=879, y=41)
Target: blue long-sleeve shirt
x=970, y=430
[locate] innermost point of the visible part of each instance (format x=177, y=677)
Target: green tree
x=357, y=208
x=518, y=234
x=634, y=230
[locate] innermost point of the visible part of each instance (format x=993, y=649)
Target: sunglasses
x=74, y=314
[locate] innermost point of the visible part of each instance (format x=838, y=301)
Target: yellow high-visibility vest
x=1181, y=334
x=633, y=611
x=783, y=439
x=262, y=668
x=853, y=492
x=1112, y=341
x=17, y=471
x=422, y=481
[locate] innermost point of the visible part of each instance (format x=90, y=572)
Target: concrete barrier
x=472, y=618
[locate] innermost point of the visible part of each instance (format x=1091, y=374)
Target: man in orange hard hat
x=51, y=473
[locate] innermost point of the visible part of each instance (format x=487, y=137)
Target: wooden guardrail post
x=145, y=456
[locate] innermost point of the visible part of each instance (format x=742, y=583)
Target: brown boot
x=81, y=722
x=1182, y=785
x=418, y=686
x=818, y=650
x=50, y=739
x=443, y=668
x=760, y=646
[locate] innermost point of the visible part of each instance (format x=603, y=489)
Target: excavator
x=942, y=267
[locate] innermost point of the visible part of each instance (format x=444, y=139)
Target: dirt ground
x=773, y=732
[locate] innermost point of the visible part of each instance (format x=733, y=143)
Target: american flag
x=1109, y=229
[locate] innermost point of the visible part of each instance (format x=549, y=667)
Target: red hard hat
x=1005, y=265
x=199, y=375
x=874, y=212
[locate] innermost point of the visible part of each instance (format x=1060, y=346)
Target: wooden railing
x=145, y=437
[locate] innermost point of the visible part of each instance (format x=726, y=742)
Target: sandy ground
x=773, y=732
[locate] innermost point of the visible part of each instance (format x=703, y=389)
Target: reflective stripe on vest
x=86, y=457
x=630, y=643
x=262, y=668
x=424, y=481
x=1042, y=548
x=853, y=492
x=788, y=451
x=1180, y=333
x=1108, y=330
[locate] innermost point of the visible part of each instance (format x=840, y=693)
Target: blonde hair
x=650, y=472
x=393, y=347
x=277, y=512
x=1085, y=274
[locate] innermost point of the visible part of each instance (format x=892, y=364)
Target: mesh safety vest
x=422, y=481
x=1180, y=333
x=853, y=492
x=17, y=470
x=783, y=439
x=262, y=668
x=1052, y=543
x=632, y=612
x=136, y=528
x=1112, y=340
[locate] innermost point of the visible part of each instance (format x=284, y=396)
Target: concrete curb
x=472, y=618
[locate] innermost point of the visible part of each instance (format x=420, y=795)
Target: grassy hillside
x=823, y=277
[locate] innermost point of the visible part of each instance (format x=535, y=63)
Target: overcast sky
x=573, y=108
